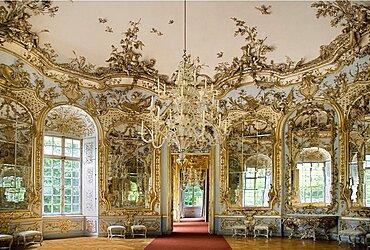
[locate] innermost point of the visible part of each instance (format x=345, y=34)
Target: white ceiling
x=292, y=28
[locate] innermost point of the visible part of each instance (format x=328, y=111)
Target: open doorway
x=191, y=192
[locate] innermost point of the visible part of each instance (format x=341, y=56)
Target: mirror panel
x=359, y=152
x=311, y=178
x=250, y=147
x=128, y=168
x=15, y=155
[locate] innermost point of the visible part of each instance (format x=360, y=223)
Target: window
x=256, y=183
x=193, y=195
x=312, y=186
x=367, y=181
x=62, y=176
x=14, y=189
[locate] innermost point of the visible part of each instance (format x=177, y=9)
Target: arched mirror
x=359, y=152
x=250, y=150
x=311, y=174
x=129, y=167
x=15, y=154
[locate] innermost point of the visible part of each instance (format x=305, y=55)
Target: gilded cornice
x=250, y=68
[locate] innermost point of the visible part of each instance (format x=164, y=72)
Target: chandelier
x=185, y=111
x=190, y=175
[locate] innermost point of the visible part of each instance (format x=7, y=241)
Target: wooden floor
x=238, y=243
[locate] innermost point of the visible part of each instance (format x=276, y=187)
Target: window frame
x=63, y=159
x=255, y=190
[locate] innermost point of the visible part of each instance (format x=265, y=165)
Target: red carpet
x=189, y=235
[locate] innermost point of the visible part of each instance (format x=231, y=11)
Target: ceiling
x=292, y=28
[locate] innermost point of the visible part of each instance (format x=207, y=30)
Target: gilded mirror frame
x=239, y=118
x=152, y=193
x=315, y=123
x=358, y=112
x=31, y=193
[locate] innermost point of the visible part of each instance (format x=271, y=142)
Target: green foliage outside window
x=14, y=191
x=193, y=195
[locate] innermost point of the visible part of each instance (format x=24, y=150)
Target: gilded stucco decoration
x=117, y=96
x=132, y=176
x=359, y=148
x=61, y=226
x=312, y=127
x=69, y=120
x=249, y=145
x=14, y=23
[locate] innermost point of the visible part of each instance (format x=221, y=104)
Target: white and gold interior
x=288, y=138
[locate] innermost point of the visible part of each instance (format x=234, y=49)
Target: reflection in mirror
x=249, y=164
x=312, y=176
x=15, y=154
x=129, y=167
x=359, y=152
x=310, y=140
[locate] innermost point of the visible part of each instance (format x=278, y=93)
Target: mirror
x=128, y=168
x=359, y=152
x=311, y=181
x=15, y=154
x=312, y=175
x=250, y=150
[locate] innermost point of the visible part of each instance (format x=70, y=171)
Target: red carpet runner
x=189, y=235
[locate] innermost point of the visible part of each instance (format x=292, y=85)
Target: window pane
x=56, y=199
x=47, y=199
x=56, y=208
x=48, y=140
x=76, y=144
x=67, y=200
x=48, y=172
x=68, y=143
x=76, y=199
x=57, y=141
x=57, y=151
x=76, y=208
x=76, y=182
x=67, y=208
x=47, y=182
x=47, y=208
x=67, y=182
x=68, y=152
x=76, y=191
x=48, y=150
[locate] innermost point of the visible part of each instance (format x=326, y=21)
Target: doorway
x=191, y=187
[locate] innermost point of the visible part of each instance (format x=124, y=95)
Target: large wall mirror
x=250, y=149
x=310, y=177
x=129, y=167
x=359, y=152
x=15, y=155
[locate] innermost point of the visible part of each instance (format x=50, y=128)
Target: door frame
x=211, y=189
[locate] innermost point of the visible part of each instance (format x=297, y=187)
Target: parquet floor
x=237, y=243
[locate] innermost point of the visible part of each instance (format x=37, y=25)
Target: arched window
x=69, y=160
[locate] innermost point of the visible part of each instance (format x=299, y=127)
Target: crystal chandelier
x=182, y=120
x=191, y=176
x=186, y=110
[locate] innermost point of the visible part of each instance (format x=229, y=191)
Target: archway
x=69, y=185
